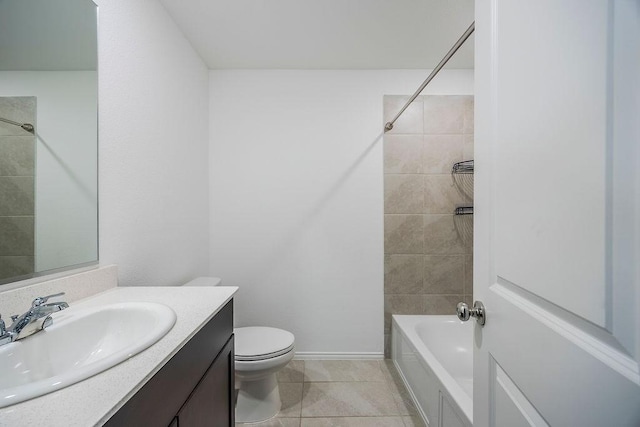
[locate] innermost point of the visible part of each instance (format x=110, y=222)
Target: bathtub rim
x=405, y=325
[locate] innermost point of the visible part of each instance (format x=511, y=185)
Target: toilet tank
x=209, y=281
x=204, y=281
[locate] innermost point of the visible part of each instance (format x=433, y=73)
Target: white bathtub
x=435, y=359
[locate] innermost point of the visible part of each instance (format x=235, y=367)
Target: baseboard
x=309, y=355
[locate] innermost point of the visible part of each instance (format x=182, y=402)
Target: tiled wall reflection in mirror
x=17, y=187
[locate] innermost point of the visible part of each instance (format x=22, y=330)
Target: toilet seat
x=255, y=343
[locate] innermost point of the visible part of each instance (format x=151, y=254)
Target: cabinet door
x=162, y=397
x=211, y=403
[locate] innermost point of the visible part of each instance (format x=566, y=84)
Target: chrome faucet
x=37, y=318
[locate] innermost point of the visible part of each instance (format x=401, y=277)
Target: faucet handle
x=41, y=300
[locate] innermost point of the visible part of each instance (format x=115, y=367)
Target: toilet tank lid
x=204, y=281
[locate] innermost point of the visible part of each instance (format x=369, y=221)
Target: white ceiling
x=325, y=34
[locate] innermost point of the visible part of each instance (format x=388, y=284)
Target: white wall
x=297, y=198
x=66, y=163
x=153, y=146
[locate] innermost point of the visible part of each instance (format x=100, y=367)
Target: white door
x=557, y=215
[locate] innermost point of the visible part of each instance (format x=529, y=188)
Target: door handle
x=464, y=313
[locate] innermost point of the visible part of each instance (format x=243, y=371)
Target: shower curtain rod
x=26, y=126
x=435, y=71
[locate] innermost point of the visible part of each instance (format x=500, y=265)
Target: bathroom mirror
x=48, y=137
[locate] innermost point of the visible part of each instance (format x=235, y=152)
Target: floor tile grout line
x=395, y=401
x=388, y=380
x=401, y=386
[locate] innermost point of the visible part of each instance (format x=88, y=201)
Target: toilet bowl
x=260, y=352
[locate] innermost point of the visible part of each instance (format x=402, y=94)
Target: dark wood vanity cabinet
x=193, y=389
x=201, y=410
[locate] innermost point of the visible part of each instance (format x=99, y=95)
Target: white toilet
x=260, y=352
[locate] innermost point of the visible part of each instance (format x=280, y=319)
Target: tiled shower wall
x=17, y=188
x=428, y=249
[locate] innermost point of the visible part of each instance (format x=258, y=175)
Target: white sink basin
x=81, y=343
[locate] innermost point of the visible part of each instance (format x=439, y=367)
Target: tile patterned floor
x=342, y=393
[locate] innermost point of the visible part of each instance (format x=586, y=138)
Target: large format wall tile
x=444, y=114
x=21, y=109
x=464, y=227
x=410, y=121
x=403, y=153
x=443, y=194
x=442, y=304
x=17, y=187
x=467, y=147
x=403, y=194
x=387, y=345
x=468, y=115
x=442, y=235
x=444, y=274
x=441, y=152
x=468, y=274
x=17, y=155
x=401, y=304
x=402, y=234
x=17, y=236
x=464, y=185
x=432, y=276
x=403, y=274
x=14, y=266
x=17, y=196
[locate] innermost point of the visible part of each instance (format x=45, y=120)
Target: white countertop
x=93, y=401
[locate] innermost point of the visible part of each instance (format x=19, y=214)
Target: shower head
x=26, y=126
